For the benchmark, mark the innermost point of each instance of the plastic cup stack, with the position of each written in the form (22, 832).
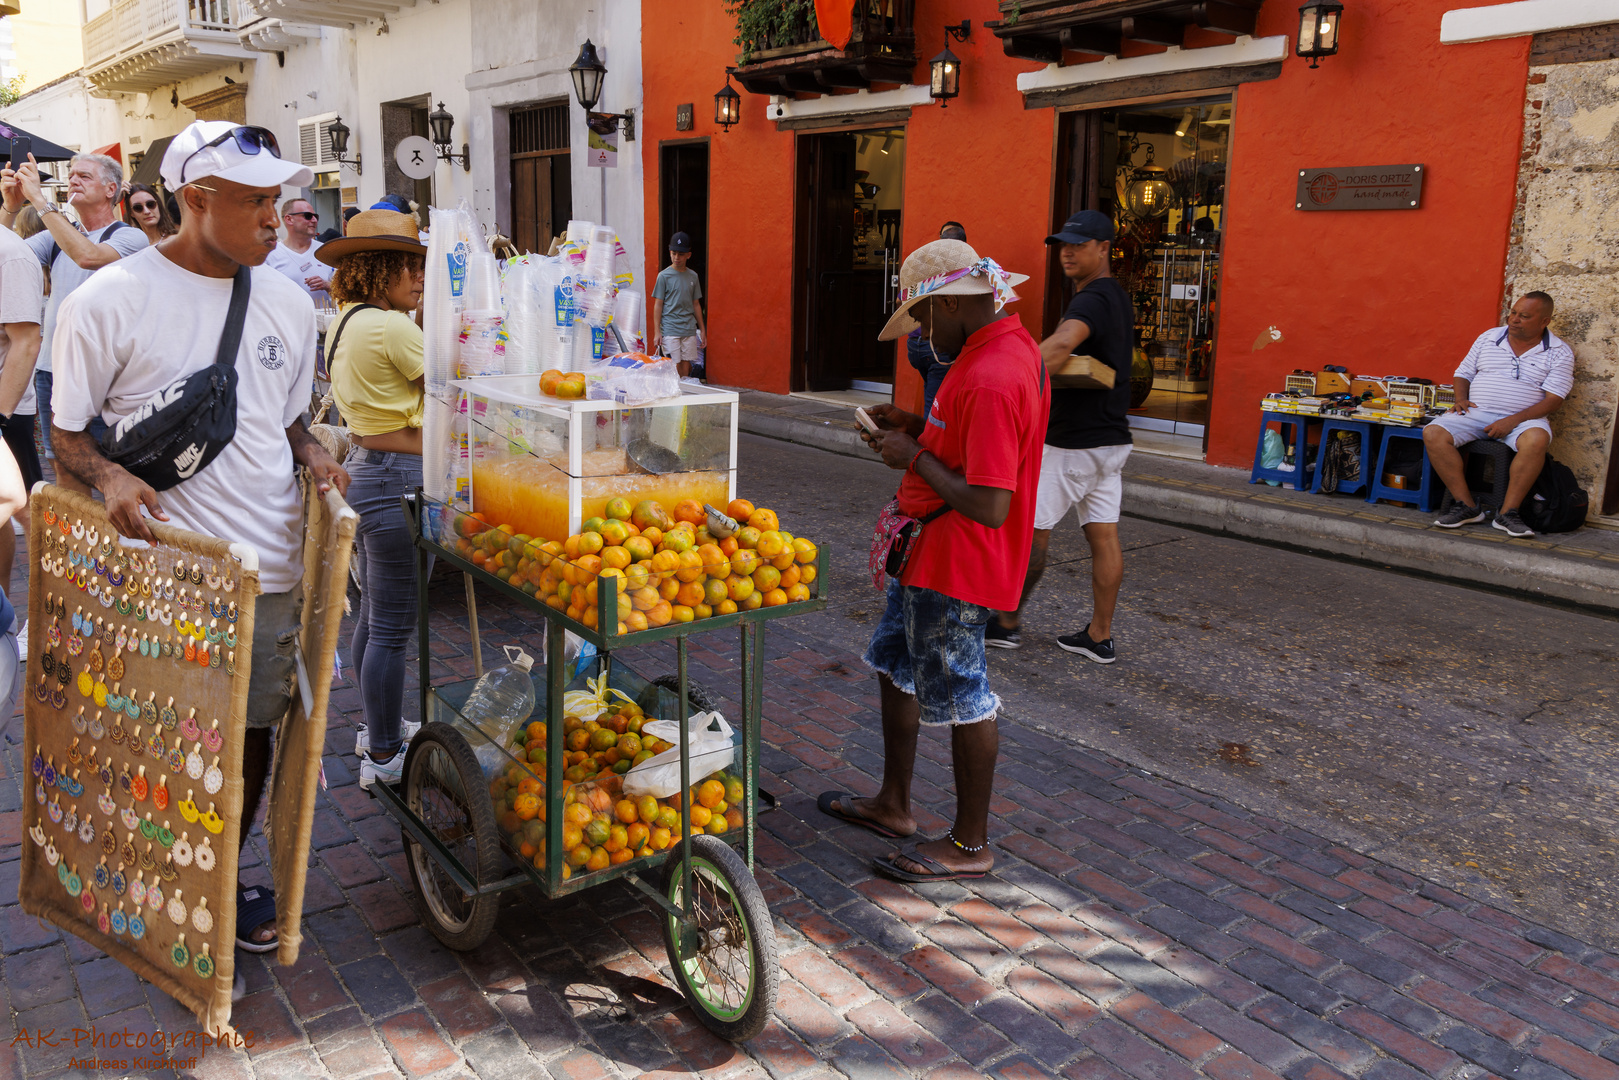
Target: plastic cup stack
(440, 324)
(627, 316)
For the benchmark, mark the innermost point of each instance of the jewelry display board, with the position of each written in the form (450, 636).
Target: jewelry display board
(134, 721)
(328, 543)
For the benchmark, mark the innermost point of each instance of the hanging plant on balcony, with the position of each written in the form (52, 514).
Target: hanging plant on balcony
(771, 24)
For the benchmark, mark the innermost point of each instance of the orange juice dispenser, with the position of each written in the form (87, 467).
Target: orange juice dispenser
(543, 465)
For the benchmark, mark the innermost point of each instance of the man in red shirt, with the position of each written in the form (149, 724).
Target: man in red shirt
(975, 460)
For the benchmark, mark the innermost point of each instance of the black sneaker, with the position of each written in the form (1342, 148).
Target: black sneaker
(1511, 523)
(1081, 643)
(997, 636)
(1458, 515)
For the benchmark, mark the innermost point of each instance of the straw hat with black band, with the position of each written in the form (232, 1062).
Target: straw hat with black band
(374, 230)
(947, 268)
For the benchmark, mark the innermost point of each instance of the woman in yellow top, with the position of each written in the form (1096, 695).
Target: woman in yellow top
(374, 356)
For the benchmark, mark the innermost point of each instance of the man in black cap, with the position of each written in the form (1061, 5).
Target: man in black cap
(1087, 438)
(677, 324)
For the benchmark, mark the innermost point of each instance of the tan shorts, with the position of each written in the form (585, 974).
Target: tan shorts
(683, 350)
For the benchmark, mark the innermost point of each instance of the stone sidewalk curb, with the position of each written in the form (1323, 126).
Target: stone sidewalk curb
(1480, 556)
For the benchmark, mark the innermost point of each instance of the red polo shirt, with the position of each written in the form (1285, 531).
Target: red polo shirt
(988, 423)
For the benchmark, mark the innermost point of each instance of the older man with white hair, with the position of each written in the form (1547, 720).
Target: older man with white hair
(70, 252)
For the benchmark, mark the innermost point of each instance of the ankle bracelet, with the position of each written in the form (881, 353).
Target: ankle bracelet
(969, 850)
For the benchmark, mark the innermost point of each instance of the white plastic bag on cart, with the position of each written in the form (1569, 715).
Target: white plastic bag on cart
(711, 751)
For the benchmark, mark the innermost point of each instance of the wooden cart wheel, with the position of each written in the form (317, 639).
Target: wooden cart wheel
(724, 960)
(444, 788)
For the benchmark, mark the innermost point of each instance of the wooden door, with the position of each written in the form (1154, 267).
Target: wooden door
(541, 184)
(683, 203)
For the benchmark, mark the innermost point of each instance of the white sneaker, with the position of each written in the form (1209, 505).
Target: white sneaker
(389, 772)
(22, 643)
(362, 736)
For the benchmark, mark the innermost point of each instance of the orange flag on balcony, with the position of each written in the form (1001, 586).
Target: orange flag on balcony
(836, 20)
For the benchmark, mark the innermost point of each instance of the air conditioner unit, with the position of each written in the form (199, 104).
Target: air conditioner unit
(314, 146)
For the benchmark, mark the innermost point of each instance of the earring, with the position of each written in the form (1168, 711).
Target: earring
(212, 739)
(204, 855)
(160, 794)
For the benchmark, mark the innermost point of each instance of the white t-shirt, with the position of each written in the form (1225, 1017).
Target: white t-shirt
(22, 300)
(297, 267)
(67, 275)
(143, 322)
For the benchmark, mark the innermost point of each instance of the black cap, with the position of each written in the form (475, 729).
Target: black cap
(1082, 227)
(680, 242)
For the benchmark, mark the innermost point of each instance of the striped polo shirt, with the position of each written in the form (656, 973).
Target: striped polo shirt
(1506, 383)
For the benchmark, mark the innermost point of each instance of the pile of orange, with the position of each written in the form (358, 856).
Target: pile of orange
(668, 567)
(562, 384)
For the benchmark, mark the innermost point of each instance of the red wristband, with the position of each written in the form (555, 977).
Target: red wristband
(912, 466)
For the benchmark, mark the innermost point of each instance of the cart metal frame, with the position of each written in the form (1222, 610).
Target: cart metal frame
(750, 625)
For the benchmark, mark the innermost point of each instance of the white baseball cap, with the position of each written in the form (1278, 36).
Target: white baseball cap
(250, 158)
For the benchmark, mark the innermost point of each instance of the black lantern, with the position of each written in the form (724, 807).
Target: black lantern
(442, 125)
(945, 77)
(337, 138)
(727, 106)
(1318, 30)
(588, 72)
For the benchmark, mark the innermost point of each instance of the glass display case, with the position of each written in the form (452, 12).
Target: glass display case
(544, 465)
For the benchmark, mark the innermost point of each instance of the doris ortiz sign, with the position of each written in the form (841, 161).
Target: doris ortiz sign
(1360, 187)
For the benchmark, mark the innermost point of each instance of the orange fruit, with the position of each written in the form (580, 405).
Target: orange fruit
(770, 544)
(638, 834)
(578, 740)
(598, 860)
(807, 573)
(775, 598)
(700, 817)
(715, 563)
(659, 614)
(764, 520)
(639, 548)
(625, 810)
(744, 562)
(669, 589)
(590, 543)
(689, 567)
(711, 793)
(747, 537)
(638, 574)
(618, 838)
(618, 508)
(629, 744)
(635, 622)
(643, 599)
(570, 724)
(647, 808)
(623, 855)
(702, 611)
(614, 531)
(717, 824)
(739, 587)
(549, 381)
(690, 510)
(725, 607)
(798, 593)
(573, 386)
(536, 730)
(766, 578)
(683, 613)
(570, 549)
(789, 577)
(754, 601)
(728, 546)
(653, 535)
(572, 836)
(691, 593)
(714, 590)
(579, 855)
(665, 561)
(660, 839)
(741, 509)
(668, 818)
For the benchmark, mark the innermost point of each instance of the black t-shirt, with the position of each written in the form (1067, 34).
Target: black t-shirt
(1082, 419)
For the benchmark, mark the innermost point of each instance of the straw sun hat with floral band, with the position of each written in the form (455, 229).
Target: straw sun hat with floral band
(947, 268)
(374, 230)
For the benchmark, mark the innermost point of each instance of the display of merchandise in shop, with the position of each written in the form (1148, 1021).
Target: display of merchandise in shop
(1333, 392)
(134, 723)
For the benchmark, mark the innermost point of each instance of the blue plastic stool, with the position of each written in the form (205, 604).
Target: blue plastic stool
(1425, 494)
(1368, 431)
(1298, 475)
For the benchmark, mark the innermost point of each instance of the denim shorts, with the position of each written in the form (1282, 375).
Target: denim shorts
(270, 685)
(932, 646)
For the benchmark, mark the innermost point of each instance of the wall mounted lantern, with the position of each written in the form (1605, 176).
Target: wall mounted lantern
(588, 74)
(442, 124)
(1150, 195)
(337, 138)
(944, 82)
(1318, 30)
(727, 106)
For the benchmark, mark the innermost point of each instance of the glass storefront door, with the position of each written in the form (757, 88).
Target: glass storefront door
(1159, 171)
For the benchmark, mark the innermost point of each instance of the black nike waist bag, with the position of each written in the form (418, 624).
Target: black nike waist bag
(175, 433)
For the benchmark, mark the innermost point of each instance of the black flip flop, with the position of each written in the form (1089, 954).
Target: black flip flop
(255, 906)
(889, 868)
(827, 804)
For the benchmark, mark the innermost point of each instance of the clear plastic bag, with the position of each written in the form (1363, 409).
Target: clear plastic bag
(632, 379)
(711, 751)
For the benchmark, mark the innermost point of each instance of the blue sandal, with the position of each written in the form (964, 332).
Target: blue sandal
(255, 906)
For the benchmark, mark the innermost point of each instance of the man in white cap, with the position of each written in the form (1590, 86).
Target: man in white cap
(158, 315)
(972, 470)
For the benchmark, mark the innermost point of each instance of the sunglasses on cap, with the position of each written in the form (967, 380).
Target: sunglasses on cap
(249, 140)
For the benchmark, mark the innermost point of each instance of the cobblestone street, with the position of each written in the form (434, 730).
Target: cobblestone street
(1133, 927)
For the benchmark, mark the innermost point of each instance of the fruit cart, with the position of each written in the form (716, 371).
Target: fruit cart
(460, 842)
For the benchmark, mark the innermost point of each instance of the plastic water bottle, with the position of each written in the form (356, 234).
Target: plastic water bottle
(503, 698)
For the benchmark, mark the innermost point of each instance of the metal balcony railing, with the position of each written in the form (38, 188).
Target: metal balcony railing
(141, 44)
(882, 48)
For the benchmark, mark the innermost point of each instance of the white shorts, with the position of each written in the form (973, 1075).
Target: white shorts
(1091, 479)
(684, 350)
(1468, 426)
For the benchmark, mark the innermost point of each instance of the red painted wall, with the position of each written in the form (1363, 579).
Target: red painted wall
(983, 161)
(1382, 292)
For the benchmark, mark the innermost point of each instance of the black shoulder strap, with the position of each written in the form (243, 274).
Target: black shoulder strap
(231, 338)
(56, 249)
(337, 335)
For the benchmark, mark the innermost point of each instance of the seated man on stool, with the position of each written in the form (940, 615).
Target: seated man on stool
(1510, 381)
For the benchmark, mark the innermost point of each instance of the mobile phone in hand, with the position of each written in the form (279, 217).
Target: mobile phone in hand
(21, 147)
(865, 420)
